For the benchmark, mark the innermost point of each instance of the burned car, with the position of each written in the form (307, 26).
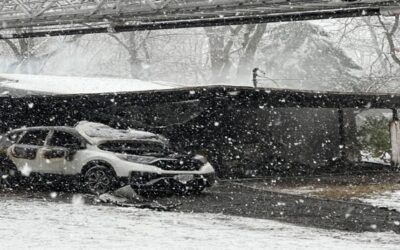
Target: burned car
(104, 158)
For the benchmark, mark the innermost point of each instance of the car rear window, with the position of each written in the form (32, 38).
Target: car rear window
(34, 137)
(13, 137)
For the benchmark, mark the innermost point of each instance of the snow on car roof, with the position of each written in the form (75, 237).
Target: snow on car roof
(78, 85)
(99, 132)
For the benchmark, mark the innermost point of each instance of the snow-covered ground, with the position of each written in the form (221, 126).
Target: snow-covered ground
(389, 199)
(77, 85)
(384, 159)
(40, 224)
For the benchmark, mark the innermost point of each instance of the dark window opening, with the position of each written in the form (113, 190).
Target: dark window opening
(25, 153)
(35, 137)
(64, 139)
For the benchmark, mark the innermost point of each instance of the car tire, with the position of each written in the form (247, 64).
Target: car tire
(99, 179)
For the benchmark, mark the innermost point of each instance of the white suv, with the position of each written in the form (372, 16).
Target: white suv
(105, 158)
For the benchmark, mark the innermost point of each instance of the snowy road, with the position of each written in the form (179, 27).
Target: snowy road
(38, 224)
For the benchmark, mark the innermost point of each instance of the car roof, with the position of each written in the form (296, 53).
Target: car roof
(59, 128)
(96, 133)
(70, 130)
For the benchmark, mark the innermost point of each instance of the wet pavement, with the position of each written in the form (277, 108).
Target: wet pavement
(241, 200)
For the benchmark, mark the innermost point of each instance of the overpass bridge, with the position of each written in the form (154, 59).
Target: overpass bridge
(37, 18)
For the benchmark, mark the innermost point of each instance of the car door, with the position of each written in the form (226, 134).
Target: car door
(26, 152)
(60, 152)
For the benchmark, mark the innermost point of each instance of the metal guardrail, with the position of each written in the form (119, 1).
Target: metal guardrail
(30, 18)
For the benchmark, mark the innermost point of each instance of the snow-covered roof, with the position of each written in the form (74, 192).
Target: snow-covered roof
(75, 85)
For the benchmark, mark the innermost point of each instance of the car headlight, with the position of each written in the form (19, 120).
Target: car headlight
(131, 158)
(201, 158)
(135, 158)
(122, 156)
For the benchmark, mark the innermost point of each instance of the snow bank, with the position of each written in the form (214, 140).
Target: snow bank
(389, 199)
(77, 85)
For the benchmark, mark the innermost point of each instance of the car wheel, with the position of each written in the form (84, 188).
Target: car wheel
(99, 180)
(8, 174)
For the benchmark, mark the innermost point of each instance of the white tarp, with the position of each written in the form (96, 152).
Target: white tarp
(395, 141)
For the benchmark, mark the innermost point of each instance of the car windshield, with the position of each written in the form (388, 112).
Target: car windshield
(145, 148)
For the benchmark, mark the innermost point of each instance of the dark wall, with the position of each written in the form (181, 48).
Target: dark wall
(241, 134)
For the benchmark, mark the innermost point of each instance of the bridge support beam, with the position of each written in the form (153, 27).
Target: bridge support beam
(23, 18)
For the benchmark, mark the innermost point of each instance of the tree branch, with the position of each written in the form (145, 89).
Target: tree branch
(389, 37)
(13, 47)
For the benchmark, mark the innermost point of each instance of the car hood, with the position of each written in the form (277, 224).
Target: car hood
(97, 133)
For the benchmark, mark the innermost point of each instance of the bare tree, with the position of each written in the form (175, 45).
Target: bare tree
(230, 45)
(135, 44)
(390, 33)
(31, 55)
(372, 43)
(220, 46)
(251, 40)
(378, 46)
